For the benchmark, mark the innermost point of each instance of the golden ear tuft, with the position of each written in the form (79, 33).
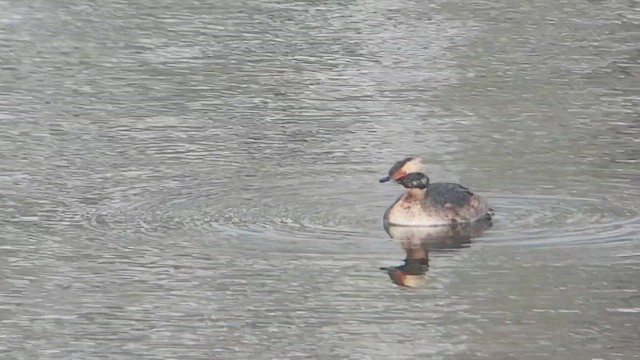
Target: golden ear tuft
(414, 165)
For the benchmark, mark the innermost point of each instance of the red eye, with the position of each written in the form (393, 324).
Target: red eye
(399, 174)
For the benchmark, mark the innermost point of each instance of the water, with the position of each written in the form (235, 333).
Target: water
(198, 180)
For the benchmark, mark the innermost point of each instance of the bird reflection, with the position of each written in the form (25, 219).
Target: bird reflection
(417, 241)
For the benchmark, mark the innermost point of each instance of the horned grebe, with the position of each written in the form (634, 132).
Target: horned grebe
(427, 204)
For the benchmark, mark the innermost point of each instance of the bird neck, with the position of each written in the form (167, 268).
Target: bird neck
(417, 194)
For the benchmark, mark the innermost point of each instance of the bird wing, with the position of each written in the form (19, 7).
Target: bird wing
(441, 194)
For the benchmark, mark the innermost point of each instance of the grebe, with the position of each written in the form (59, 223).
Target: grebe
(427, 204)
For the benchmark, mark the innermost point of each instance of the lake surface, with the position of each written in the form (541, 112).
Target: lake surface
(198, 180)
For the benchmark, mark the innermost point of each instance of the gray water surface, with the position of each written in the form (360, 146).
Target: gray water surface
(198, 180)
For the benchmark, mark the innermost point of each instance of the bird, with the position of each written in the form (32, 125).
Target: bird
(431, 204)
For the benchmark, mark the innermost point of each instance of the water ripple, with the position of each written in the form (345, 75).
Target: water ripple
(519, 220)
(556, 220)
